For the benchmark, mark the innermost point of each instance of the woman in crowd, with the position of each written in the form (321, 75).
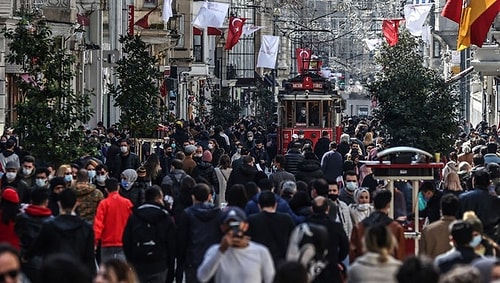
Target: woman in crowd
(9, 208)
(481, 243)
(66, 172)
(116, 271)
(452, 184)
(223, 171)
(153, 169)
(215, 150)
(361, 207)
(377, 264)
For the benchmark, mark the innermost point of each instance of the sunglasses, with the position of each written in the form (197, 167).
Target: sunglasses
(11, 273)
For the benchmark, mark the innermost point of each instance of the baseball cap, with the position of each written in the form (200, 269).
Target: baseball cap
(234, 213)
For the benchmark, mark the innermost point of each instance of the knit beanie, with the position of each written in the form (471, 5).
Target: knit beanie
(10, 195)
(207, 156)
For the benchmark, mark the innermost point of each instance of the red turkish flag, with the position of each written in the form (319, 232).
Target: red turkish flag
(303, 59)
(390, 30)
(234, 32)
(144, 21)
(307, 83)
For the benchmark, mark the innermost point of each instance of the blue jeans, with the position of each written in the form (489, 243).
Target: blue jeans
(112, 252)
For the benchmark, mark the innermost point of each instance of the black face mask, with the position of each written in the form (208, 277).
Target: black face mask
(333, 197)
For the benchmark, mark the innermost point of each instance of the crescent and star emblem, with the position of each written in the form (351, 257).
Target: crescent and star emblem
(304, 51)
(236, 29)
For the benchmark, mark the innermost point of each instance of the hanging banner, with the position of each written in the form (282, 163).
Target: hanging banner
(131, 20)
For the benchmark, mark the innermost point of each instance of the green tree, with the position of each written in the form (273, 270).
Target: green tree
(138, 94)
(416, 107)
(49, 111)
(265, 104)
(224, 111)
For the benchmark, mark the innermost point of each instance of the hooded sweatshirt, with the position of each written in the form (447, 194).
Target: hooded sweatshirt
(130, 189)
(29, 223)
(68, 234)
(202, 230)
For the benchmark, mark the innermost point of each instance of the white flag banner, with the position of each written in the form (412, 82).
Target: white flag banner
(372, 44)
(211, 14)
(167, 10)
(415, 16)
(249, 29)
(268, 51)
(426, 34)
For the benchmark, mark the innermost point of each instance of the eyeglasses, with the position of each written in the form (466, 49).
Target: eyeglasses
(11, 273)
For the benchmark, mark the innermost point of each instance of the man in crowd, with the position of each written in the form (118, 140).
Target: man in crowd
(67, 233)
(281, 174)
(351, 184)
(12, 179)
(149, 238)
(236, 257)
(381, 203)
(27, 172)
(110, 220)
(332, 163)
(124, 160)
(435, 237)
(198, 229)
(270, 228)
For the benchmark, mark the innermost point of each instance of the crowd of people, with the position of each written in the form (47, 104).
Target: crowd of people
(208, 204)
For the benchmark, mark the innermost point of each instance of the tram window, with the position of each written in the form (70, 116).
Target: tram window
(288, 114)
(327, 114)
(301, 113)
(314, 114)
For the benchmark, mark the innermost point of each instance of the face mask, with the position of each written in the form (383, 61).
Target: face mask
(27, 171)
(123, 149)
(173, 145)
(91, 174)
(351, 186)
(41, 182)
(198, 155)
(210, 146)
(301, 136)
(100, 179)
(302, 112)
(363, 206)
(250, 138)
(68, 178)
(333, 197)
(10, 175)
(275, 168)
(124, 183)
(476, 241)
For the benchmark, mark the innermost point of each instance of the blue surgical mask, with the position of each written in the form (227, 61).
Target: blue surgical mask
(173, 145)
(476, 241)
(91, 174)
(68, 178)
(124, 183)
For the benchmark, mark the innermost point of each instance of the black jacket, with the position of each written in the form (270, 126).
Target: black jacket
(241, 175)
(293, 159)
(22, 189)
(68, 234)
(29, 223)
(309, 169)
(152, 213)
(484, 205)
(120, 163)
(134, 193)
(338, 247)
(273, 231)
(207, 171)
(199, 228)
(322, 146)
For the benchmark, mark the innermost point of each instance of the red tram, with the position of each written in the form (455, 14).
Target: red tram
(308, 103)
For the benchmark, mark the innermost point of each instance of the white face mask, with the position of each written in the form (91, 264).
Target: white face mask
(250, 138)
(123, 149)
(238, 150)
(100, 178)
(27, 171)
(210, 146)
(302, 112)
(363, 206)
(10, 175)
(41, 182)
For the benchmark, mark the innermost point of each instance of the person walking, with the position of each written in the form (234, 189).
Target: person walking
(110, 220)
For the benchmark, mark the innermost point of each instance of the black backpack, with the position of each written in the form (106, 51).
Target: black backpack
(148, 241)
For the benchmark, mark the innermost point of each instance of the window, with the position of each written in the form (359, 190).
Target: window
(150, 3)
(198, 47)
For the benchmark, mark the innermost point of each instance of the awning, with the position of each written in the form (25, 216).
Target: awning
(211, 31)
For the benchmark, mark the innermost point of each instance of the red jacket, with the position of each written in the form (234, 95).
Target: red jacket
(7, 233)
(110, 220)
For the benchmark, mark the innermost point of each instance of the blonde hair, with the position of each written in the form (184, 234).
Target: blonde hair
(452, 182)
(368, 139)
(61, 171)
(379, 239)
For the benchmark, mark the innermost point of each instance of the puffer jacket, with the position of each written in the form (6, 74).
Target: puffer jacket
(309, 169)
